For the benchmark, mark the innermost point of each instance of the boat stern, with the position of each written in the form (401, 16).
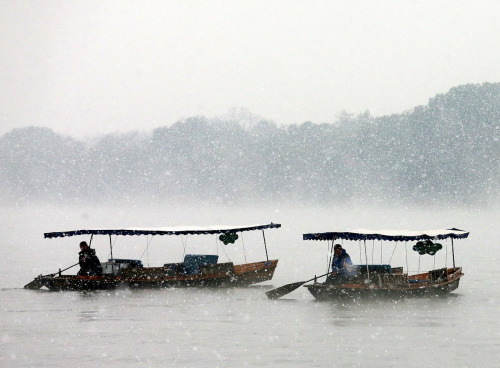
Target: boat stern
(252, 273)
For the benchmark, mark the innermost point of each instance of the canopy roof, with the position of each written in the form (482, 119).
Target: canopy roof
(391, 235)
(176, 230)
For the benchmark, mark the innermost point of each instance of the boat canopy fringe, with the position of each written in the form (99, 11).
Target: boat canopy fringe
(390, 235)
(177, 230)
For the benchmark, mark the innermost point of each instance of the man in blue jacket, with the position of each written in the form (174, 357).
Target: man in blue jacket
(341, 266)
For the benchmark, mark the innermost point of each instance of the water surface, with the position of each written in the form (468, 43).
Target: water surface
(240, 326)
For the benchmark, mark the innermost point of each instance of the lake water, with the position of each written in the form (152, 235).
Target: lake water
(240, 326)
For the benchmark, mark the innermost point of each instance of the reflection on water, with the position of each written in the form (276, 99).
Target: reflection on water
(88, 316)
(193, 327)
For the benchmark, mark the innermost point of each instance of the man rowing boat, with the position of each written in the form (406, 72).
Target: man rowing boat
(89, 262)
(342, 269)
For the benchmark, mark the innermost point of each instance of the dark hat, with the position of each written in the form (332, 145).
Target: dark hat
(83, 244)
(337, 246)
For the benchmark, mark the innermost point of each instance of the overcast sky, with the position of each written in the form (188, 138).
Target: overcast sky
(91, 67)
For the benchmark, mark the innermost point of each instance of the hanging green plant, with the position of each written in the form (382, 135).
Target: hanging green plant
(427, 247)
(227, 238)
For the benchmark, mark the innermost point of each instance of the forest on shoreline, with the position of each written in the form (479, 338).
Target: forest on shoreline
(444, 153)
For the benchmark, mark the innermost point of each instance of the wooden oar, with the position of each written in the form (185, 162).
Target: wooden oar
(37, 284)
(288, 288)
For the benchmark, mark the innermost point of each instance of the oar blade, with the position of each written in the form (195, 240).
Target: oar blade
(283, 290)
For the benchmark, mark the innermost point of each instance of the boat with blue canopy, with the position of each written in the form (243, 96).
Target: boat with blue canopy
(370, 278)
(194, 270)
(383, 279)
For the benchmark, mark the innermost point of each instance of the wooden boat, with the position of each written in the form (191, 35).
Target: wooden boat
(196, 270)
(383, 280)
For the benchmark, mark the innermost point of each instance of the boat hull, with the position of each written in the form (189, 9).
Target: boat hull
(324, 291)
(242, 275)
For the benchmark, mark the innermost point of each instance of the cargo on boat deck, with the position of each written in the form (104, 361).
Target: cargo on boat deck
(115, 266)
(373, 269)
(439, 275)
(193, 262)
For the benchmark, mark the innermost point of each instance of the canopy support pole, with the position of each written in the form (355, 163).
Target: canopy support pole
(244, 251)
(366, 257)
(446, 258)
(110, 247)
(184, 244)
(453, 252)
(406, 251)
(265, 246)
(111, 253)
(329, 257)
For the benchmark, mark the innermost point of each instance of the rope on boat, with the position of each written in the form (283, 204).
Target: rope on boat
(112, 246)
(396, 243)
(184, 243)
(216, 246)
(329, 256)
(224, 249)
(147, 248)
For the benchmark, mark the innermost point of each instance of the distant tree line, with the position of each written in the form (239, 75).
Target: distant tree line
(444, 153)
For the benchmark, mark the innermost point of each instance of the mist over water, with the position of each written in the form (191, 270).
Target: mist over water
(134, 114)
(225, 327)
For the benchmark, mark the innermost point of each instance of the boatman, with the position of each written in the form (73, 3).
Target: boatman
(342, 269)
(89, 263)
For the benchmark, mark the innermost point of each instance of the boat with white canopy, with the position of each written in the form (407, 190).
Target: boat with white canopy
(382, 279)
(195, 270)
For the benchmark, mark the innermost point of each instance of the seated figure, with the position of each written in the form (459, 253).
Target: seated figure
(342, 270)
(89, 263)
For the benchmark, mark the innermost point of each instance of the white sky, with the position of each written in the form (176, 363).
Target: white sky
(92, 67)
